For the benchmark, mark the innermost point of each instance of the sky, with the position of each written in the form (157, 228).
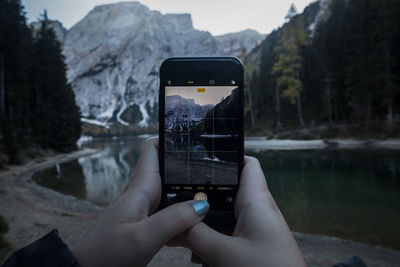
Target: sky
(206, 95)
(216, 16)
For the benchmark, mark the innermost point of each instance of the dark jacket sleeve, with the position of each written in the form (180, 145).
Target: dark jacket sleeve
(48, 251)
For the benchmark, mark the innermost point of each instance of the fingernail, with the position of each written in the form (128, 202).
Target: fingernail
(201, 207)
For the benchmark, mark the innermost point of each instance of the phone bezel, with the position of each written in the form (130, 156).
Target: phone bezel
(200, 70)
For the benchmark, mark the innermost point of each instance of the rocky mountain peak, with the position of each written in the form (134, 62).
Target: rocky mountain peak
(239, 43)
(113, 56)
(180, 22)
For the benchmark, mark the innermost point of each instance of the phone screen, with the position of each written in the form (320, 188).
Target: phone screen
(201, 134)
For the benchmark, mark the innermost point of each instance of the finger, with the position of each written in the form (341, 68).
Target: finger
(146, 180)
(253, 189)
(207, 243)
(252, 174)
(147, 162)
(172, 221)
(176, 241)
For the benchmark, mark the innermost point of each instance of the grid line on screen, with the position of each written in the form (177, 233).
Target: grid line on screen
(213, 164)
(188, 150)
(189, 143)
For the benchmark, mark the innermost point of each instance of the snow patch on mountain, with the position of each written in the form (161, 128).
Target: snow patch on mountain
(113, 56)
(322, 15)
(178, 110)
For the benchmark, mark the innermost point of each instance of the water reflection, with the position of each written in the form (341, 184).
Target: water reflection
(99, 177)
(353, 194)
(104, 176)
(66, 178)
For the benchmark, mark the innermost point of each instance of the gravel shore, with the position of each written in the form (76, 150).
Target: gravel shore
(32, 211)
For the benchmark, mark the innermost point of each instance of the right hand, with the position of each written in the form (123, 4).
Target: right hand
(261, 236)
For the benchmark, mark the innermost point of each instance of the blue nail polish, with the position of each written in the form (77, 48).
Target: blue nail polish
(201, 207)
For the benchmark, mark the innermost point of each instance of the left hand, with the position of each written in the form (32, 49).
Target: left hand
(128, 233)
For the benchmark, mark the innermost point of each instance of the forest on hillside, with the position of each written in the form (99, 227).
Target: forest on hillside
(37, 105)
(333, 69)
(338, 68)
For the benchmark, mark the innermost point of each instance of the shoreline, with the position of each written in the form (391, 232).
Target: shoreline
(261, 143)
(47, 161)
(32, 211)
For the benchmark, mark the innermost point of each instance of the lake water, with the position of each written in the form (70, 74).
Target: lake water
(352, 194)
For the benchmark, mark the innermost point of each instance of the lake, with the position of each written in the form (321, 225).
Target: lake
(353, 194)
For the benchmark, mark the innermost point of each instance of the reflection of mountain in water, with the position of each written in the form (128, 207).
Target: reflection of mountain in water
(98, 178)
(183, 114)
(101, 171)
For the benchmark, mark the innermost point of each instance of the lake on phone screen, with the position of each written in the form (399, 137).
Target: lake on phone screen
(348, 193)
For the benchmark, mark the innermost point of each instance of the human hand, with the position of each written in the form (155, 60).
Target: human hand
(261, 236)
(128, 234)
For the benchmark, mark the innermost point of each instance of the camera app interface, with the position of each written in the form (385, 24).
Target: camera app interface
(201, 135)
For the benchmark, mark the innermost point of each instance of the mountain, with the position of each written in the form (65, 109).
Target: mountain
(313, 13)
(179, 109)
(239, 43)
(114, 53)
(225, 112)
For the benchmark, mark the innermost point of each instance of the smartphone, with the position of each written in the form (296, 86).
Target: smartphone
(201, 134)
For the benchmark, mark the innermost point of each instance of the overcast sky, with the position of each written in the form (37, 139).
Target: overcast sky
(207, 94)
(215, 16)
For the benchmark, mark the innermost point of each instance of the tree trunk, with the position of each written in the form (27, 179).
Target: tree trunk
(387, 82)
(368, 115)
(252, 119)
(328, 96)
(299, 111)
(2, 92)
(388, 68)
(390, 113)
(277, 108)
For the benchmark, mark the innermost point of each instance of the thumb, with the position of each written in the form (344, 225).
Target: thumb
(173, 220)
(208, 244)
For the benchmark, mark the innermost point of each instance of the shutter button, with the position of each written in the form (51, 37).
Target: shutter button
(200, 196)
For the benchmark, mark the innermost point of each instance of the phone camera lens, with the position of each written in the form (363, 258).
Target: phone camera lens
(211, 82)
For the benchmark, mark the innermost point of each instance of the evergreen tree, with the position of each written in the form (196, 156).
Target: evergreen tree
(289, 63)
(345, 71)
(291, 13)
(330, 45)
(15, 58)
(262, 83)
(384, 30)
(36, 103)
(56, 120)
